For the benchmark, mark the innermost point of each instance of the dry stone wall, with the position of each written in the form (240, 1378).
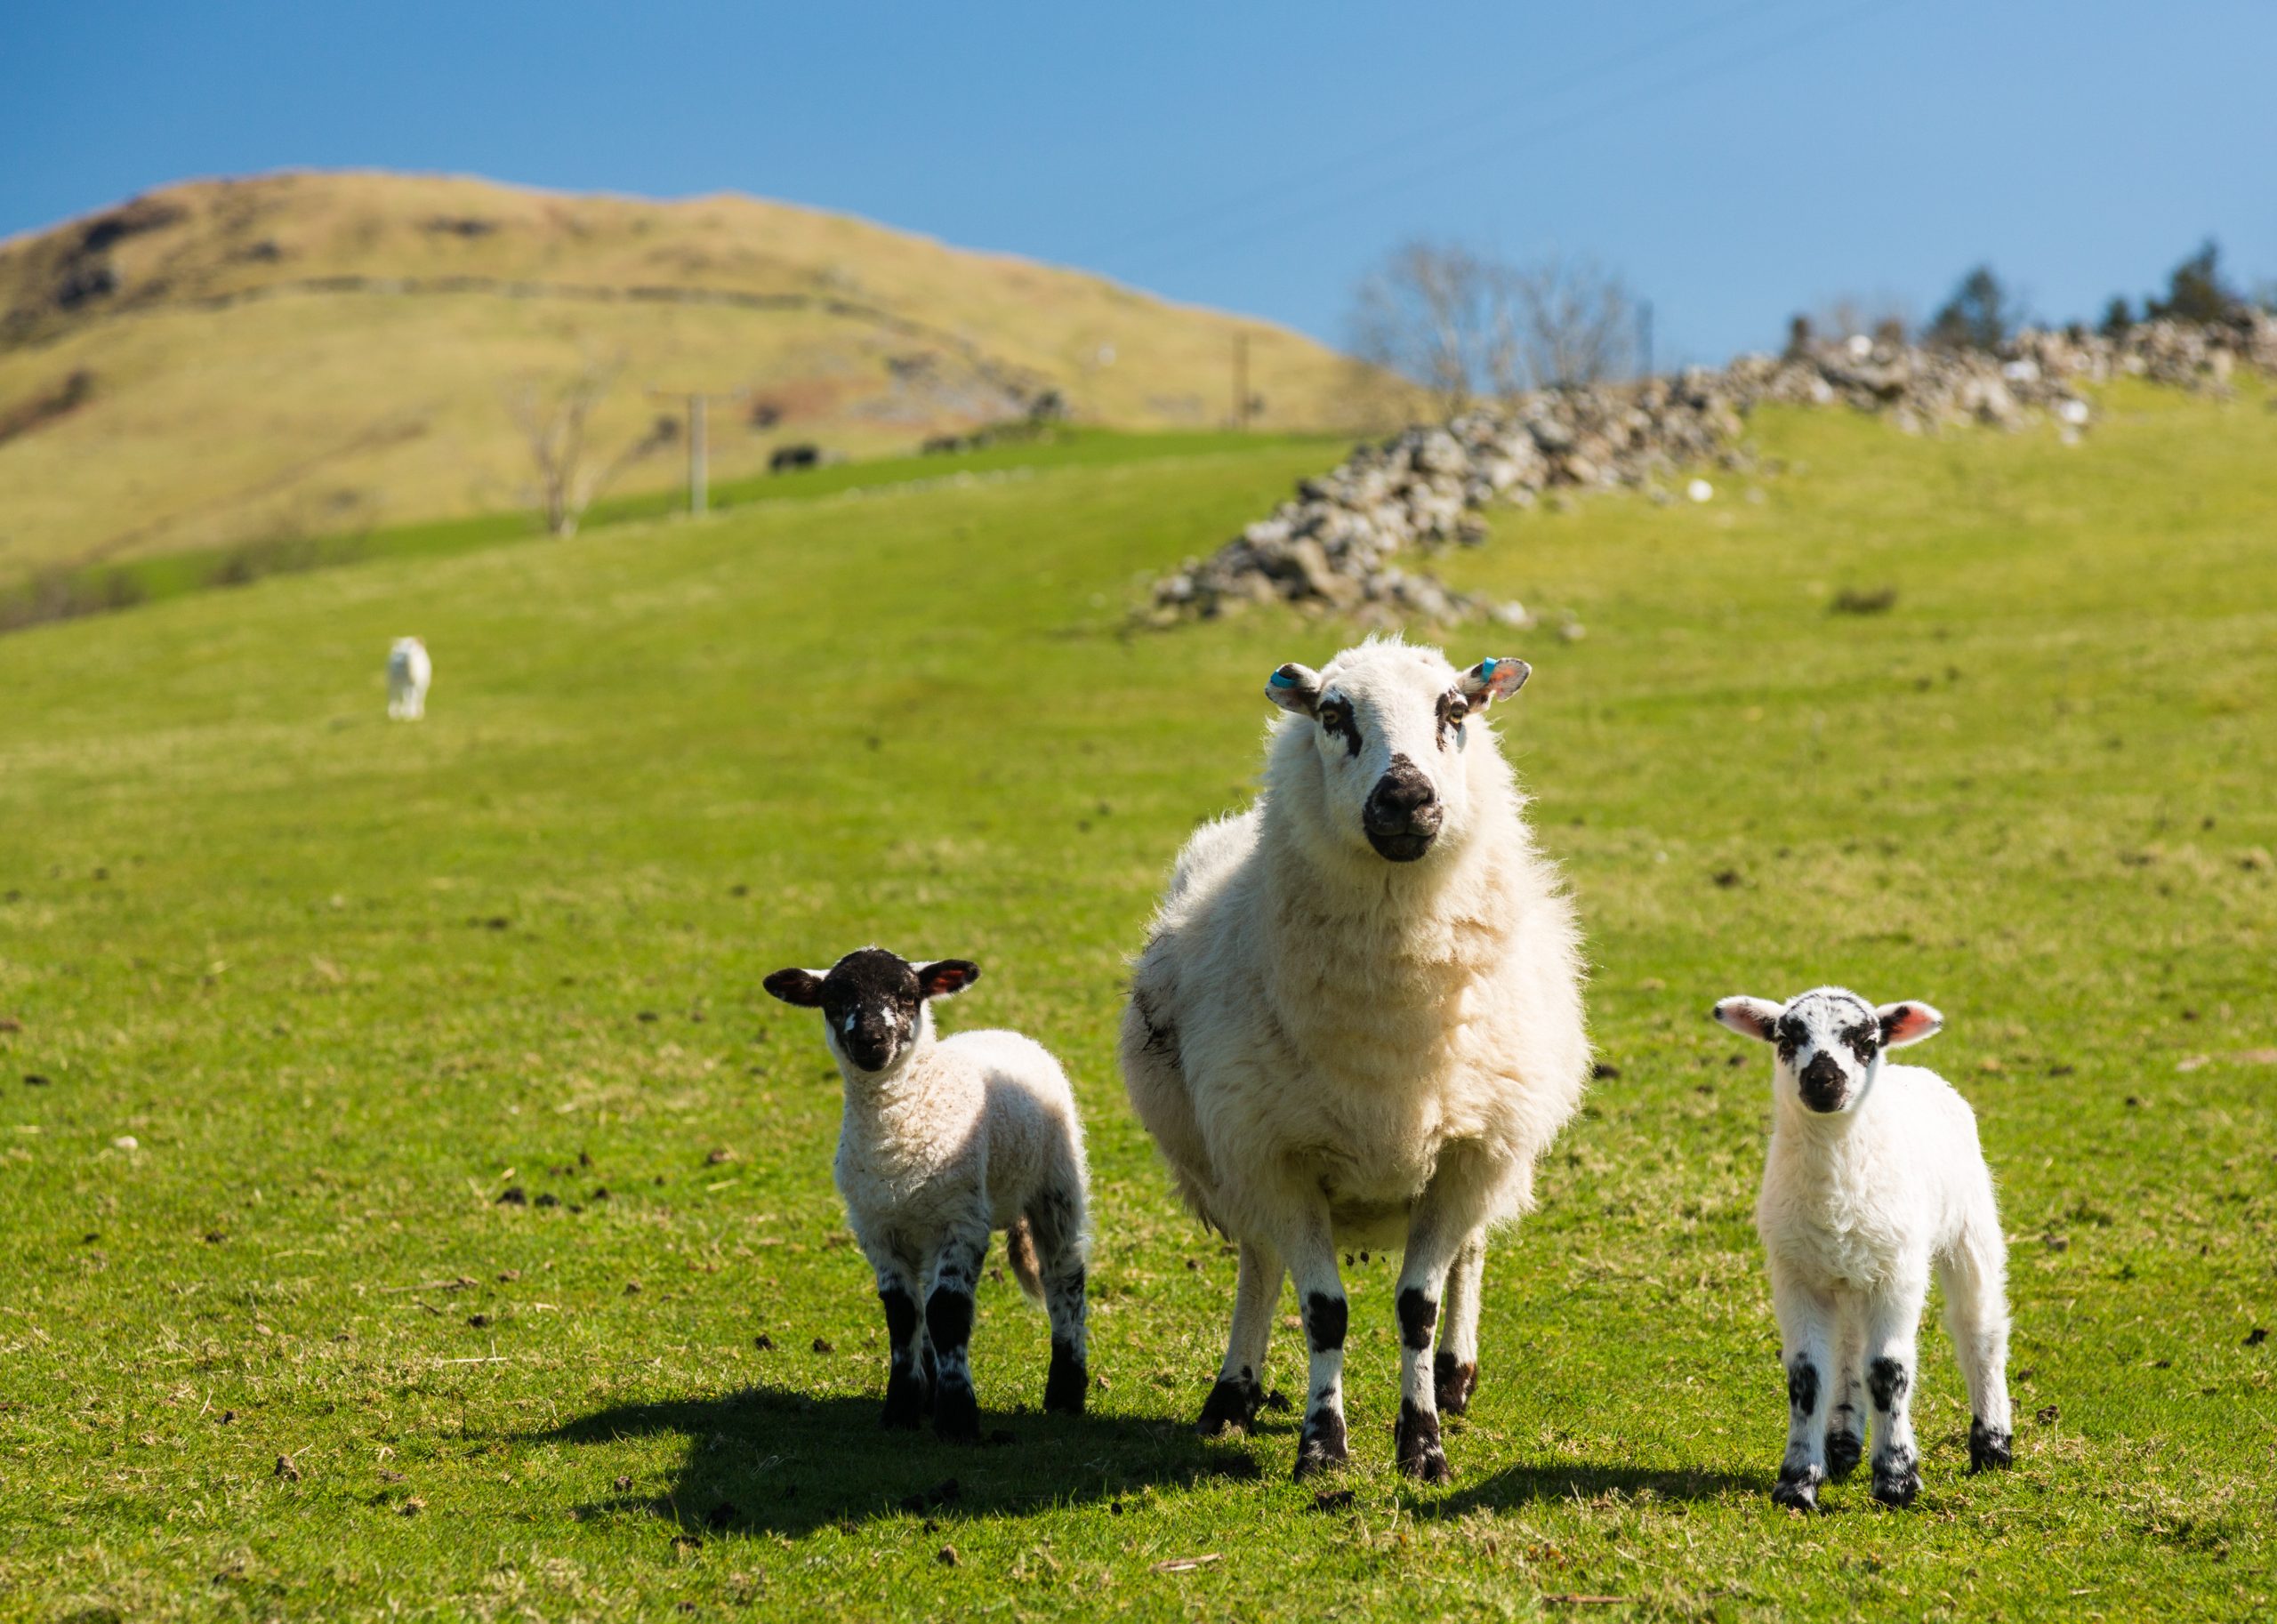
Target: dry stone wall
(1350, 540)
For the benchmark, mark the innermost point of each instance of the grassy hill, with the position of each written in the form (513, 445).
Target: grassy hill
(305, 993)
(308, 353)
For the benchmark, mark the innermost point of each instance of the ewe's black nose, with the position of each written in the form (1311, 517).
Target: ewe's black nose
(1403, 801)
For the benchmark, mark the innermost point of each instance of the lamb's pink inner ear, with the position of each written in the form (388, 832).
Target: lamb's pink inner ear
(947, 978)
(1750, 1017)
(1908, 1023)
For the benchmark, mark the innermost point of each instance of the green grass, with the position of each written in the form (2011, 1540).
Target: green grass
(101, 588)
(344, 982)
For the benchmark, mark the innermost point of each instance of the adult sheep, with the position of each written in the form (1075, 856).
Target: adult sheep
(1358, 1023)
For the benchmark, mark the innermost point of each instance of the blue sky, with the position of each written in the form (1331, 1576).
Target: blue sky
(1734, 159)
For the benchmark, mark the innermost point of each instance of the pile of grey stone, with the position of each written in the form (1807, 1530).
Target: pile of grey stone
(1349, 541)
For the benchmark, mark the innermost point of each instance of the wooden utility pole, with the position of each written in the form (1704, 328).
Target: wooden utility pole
(1241, 380)
(699, 475)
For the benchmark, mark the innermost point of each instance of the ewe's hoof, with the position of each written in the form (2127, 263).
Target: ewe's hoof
(1231, 1406)
(1988, 1450)
(1795, 1493)
(1065, 1386)
(1419, 1454)
(1323, 1447)
(1896, 1488)
(1453, 1382)
(1844, 1450)
(956, 1416)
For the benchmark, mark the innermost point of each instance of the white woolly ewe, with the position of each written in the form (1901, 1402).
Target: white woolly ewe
(409, 671)
(1874, 1178)
(1358, 1023)
(945, 1141)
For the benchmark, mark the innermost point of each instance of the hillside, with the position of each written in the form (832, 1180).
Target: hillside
(309, 353)
(291, 998)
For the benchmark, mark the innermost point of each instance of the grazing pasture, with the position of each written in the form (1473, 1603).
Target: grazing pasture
(411, 1203)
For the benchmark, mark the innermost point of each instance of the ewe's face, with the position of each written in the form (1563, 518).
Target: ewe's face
(1829, 1041)
(1391, 728)
(872, 1002)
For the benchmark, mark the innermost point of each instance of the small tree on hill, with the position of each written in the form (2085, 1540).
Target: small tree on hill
(553, 419)
(2117, 317)
(1979, 314)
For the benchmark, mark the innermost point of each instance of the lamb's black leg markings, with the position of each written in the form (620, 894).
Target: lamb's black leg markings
(1897, 1477)
(1989, 1448)
(1846, 1444)
(948, 1322)
(1056, 1224)
(1417, 1445)
(1453, 1382)
(909, 1388)
(1233, 1402)
(1800, 1477)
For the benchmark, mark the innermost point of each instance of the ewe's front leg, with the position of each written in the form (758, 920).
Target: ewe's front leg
(1433, 1243)
(1455, 1369)
(948, 1322)
(1807, 1330)
(1893, 1325)
(1320, 1295)
(1240, 1391)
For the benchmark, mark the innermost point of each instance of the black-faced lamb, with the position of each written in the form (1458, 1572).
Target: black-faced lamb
(1874, 1178)
(1357, 1023)
(945, 1141)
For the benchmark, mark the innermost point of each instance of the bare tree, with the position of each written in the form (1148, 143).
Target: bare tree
(1467, 326)
(554, 420)
(1577, 323)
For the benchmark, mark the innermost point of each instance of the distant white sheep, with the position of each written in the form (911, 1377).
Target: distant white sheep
(1357, 1023)
(1874, 1178)
(944, 1142)
(409, 671)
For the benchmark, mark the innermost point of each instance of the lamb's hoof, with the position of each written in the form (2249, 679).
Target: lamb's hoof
(1844, 1452)
(1988, 1450)
(1796, 1493)
(956, 1416)
(1453, 1382)
(908, 1402)
(1418, 1446)
(1231, 1406)
(1323, 1447)
(1896, 1486)
(1064, 1387)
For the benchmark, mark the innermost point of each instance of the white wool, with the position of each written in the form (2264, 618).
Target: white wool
(1335, 1051)
(1862, 1201)
(409, 671)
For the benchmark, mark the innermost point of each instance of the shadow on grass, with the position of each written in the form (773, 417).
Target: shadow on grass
(775, 1460)
(1524, 1484)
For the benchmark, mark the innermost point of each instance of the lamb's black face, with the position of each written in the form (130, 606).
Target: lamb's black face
(872, 1002)
(1828, 1042)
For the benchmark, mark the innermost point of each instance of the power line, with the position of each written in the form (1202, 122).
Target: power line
(1558, 126)
(1338, 169)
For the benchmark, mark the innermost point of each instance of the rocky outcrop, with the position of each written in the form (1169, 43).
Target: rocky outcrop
(1350, 540)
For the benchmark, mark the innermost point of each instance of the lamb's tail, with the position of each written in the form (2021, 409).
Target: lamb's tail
(1019, 1251)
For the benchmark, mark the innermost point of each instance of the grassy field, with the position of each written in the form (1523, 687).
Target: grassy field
(295, 996)
(298, 354)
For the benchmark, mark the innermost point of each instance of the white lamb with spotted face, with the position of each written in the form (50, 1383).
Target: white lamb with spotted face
(1357, 1023)
(1874, 1178)
(945, 1141)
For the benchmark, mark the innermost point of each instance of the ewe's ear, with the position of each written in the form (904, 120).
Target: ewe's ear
(796, 986)
(946, 977)
(1493, 679)
(1750, 1017)
(1909, 1022)
(1295, 687)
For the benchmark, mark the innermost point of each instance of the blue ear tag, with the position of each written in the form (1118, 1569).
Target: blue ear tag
(1487, 669)
(1282, 680)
